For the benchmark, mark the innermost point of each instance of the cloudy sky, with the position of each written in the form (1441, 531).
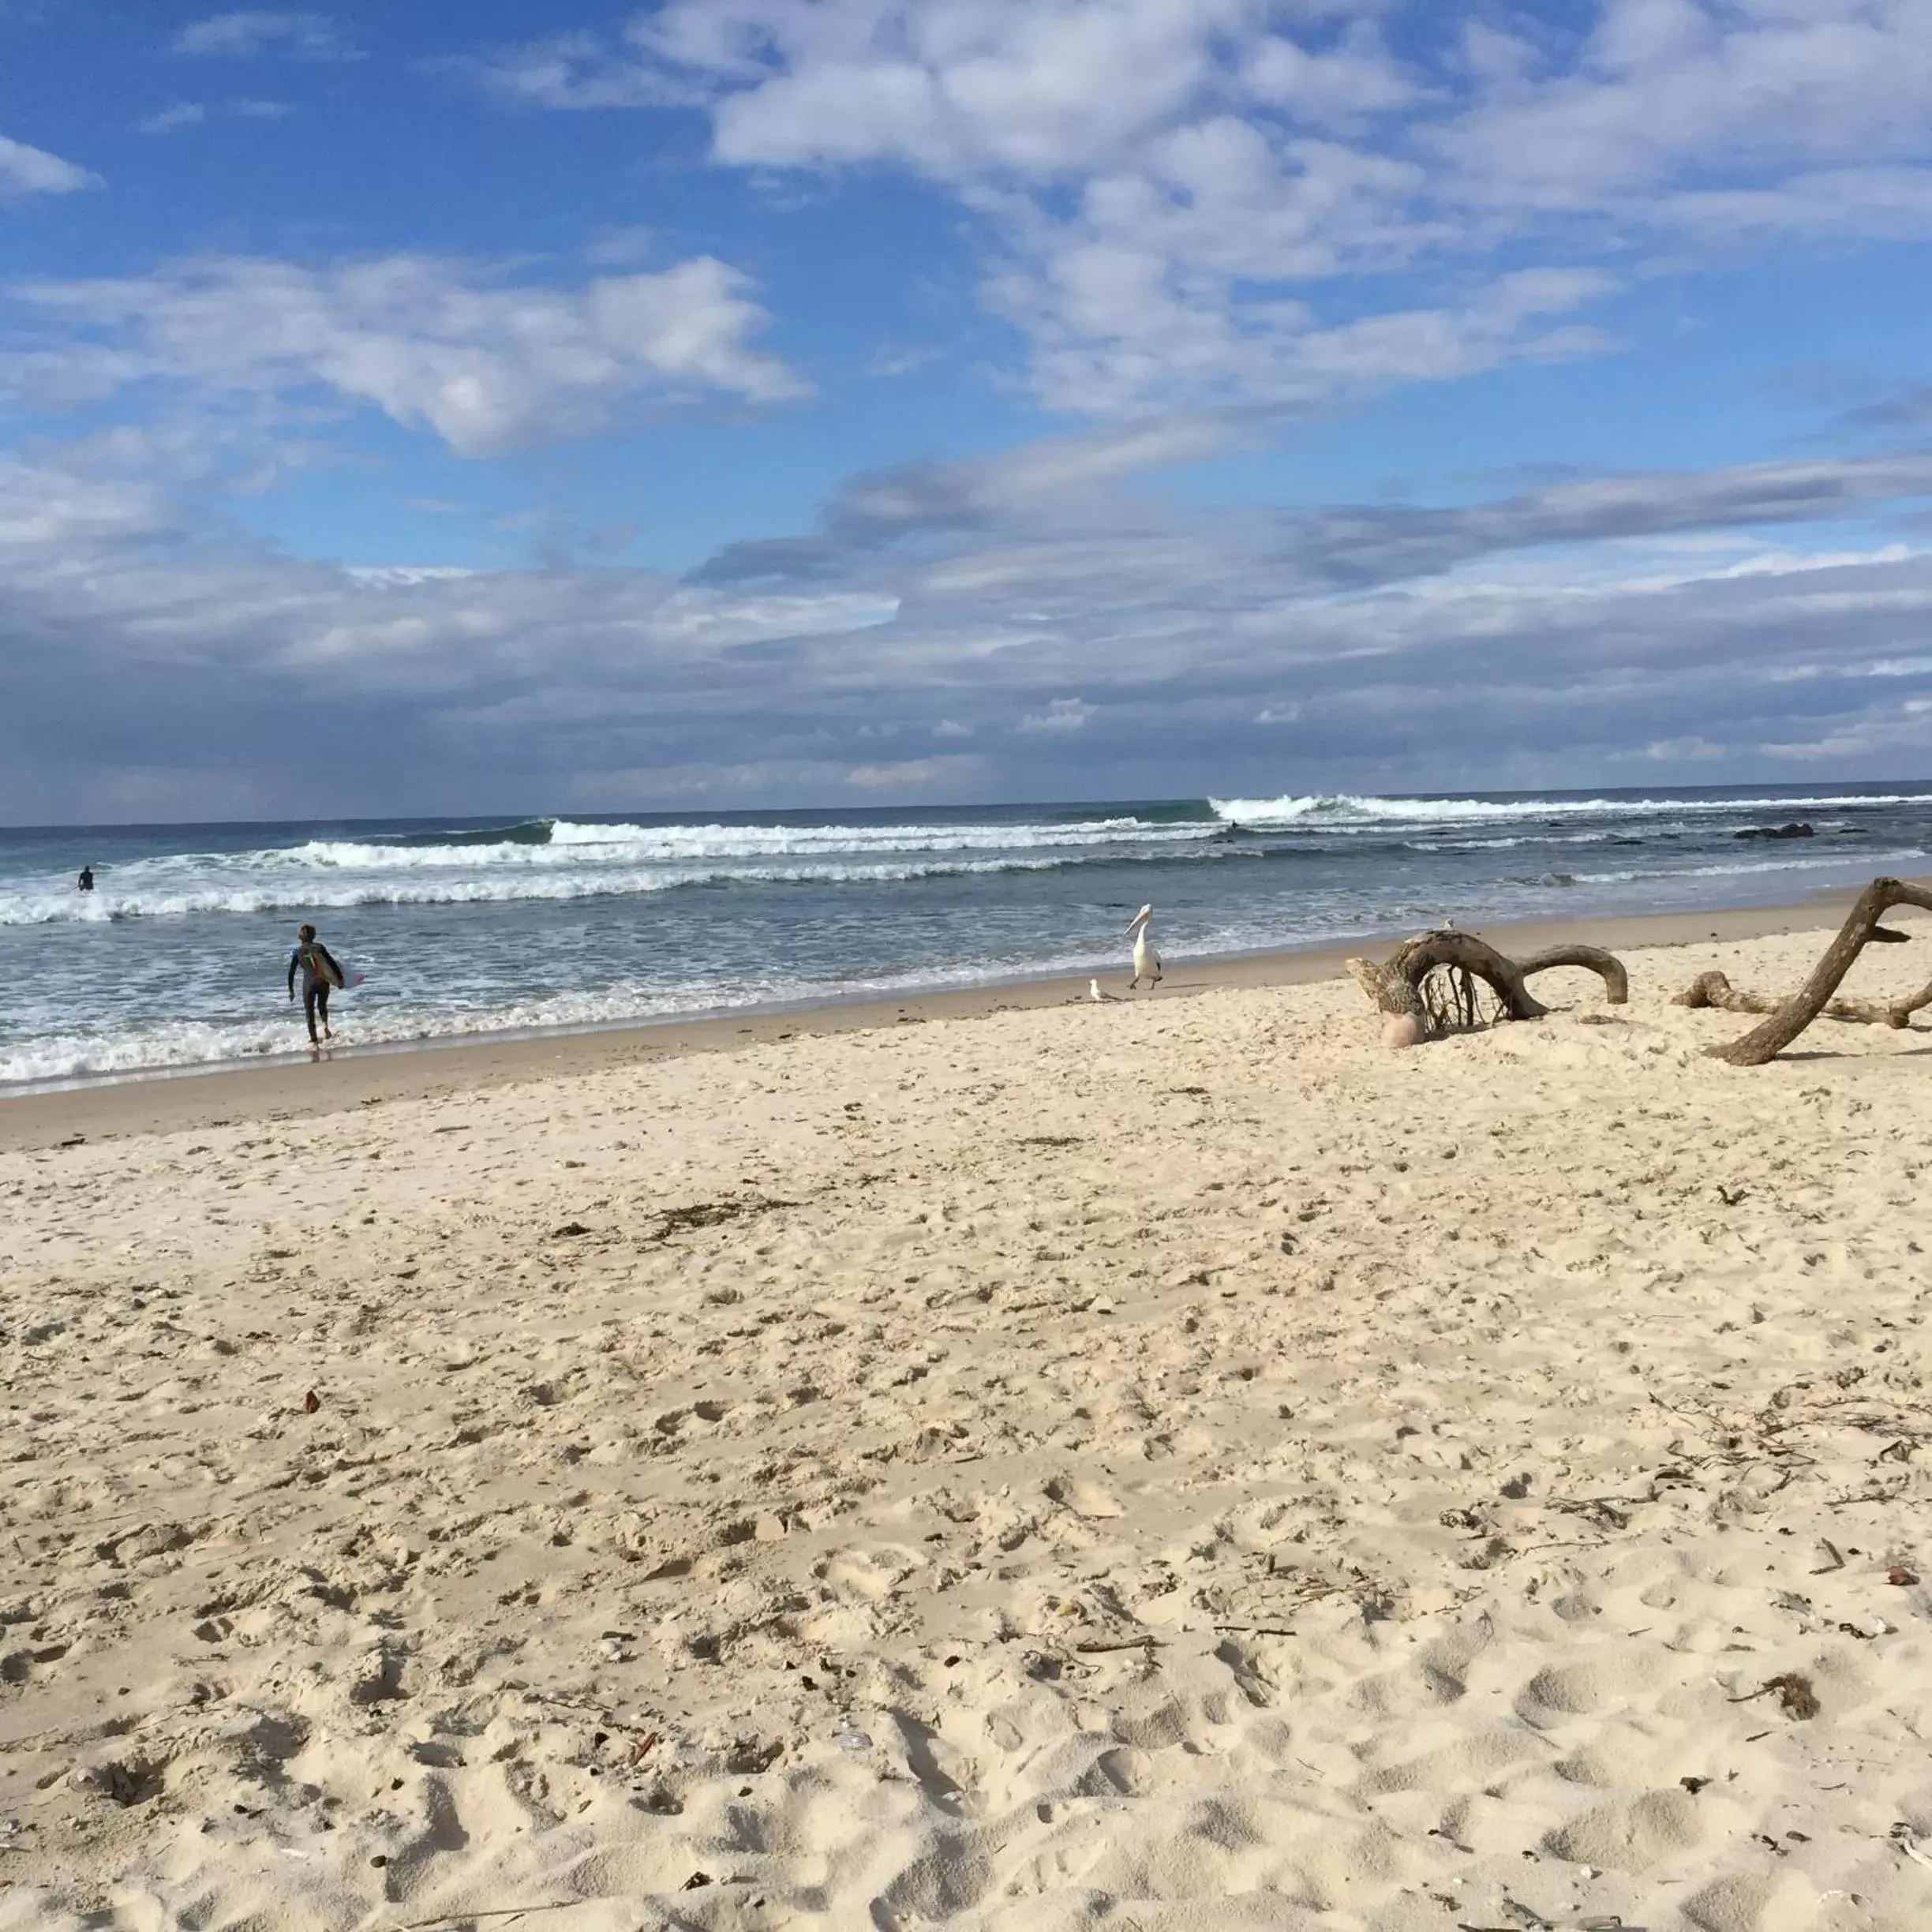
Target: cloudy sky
(742, 402)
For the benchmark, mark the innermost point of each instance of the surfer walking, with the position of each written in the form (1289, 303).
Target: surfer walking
(86, 882)
(321, 976)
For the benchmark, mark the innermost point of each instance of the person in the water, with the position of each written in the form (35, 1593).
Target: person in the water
(321, 976)
(87, 879)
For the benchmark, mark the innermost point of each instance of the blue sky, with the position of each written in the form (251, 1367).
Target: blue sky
(735, 403)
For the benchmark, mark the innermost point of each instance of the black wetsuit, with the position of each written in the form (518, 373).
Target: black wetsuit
(316, 984)
(87, 879)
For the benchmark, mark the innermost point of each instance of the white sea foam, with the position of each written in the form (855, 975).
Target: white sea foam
(573, 861)
(572, 844)
(148, 1047)
(55, 905)
(1840, 863)
(1341, 810)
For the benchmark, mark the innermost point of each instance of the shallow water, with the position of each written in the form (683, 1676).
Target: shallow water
(178, 957)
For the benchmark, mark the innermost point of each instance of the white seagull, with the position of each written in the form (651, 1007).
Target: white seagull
(1146, 960)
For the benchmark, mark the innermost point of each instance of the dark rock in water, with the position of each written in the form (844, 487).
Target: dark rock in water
(1793, 830)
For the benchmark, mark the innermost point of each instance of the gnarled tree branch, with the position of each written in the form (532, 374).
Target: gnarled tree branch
(1713, 989)
(1790, 1017)
(1606, 966)
(1395, 987)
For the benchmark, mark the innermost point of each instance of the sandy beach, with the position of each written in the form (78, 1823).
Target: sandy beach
(1007, 1462)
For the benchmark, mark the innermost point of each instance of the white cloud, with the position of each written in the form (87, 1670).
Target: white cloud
(1664, 85)
(485, 364)
(1050, 471)
(245, 34)
(1113, 331)
(25, 170)
(1399, 646)
(179, 114)
(1026, 86)
(887, 362)
(1180, 198)
(1691, 751)
(1880, 202)
(1837, 746)
(1064, 714)
(406, 573)
(576, 71)
(46, 508)
(915, 774)
(620, 248)
(712, 621)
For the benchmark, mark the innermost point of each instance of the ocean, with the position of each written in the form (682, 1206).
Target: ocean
(463, 926)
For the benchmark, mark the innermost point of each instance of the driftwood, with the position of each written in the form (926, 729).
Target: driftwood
(1396, 987)
(1790, 1017)
(1606, 966)
(1713, 989)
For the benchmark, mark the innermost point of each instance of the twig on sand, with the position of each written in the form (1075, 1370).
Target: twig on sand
(1902, 1837)
(1129, 1643)
(710, 1213)
(1528, 1913)
(501, 1912)
(1796, 1698)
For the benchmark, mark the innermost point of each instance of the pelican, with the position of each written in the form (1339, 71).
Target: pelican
(1146, 960)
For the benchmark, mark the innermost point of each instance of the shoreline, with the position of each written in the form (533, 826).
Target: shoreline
(166, 1100)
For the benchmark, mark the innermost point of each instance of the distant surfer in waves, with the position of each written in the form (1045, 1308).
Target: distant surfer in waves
(87, 879)
(320, 977)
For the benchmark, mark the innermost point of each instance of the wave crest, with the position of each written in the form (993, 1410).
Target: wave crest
(62, 907)
(1340, 811)
(565, 842)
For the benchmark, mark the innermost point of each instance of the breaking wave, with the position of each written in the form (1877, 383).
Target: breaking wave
(544, 842)
(1743, 868)
(560, 858)
(1341, 810)
(50, 908)
(527, 832)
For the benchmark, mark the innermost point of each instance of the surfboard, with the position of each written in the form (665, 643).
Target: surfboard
(333, 972)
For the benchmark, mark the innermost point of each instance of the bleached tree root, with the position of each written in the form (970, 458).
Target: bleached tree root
(1789, 1017)
(1396, 987)
(1713, 989)
(1606, 966)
